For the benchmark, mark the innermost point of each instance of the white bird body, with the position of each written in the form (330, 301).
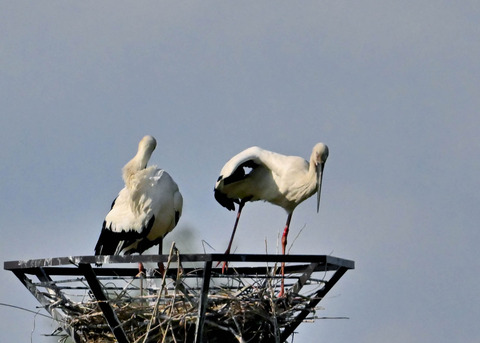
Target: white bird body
(285, 181)
(282, 180)
(145, 210)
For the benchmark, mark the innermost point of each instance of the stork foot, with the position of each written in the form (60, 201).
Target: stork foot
(224, 263)
(141, 270)
(161, 269)
(224, 267)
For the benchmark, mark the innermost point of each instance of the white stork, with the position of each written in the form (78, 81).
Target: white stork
(257, 174)
(145, 210)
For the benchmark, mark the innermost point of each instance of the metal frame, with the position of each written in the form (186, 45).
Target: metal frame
(303, 265)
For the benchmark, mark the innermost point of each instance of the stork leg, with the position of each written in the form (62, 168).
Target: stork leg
(284, 248)
(161, 267)
(141, 270)
(240, 207)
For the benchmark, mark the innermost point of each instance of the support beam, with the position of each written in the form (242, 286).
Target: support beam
(50, 285)
(311, 305)
(202, 305)
(302, 280)
(46, 303)
(75, 260)
(107, 310)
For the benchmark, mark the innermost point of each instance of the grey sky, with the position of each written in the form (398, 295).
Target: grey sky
(392, 88)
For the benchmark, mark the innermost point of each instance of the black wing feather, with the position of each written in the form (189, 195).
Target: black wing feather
(109, 241)
(238, 174)
(224, 200)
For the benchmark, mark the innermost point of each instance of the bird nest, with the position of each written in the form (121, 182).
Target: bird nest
(191, 302)
(241, 314)
(238, 309)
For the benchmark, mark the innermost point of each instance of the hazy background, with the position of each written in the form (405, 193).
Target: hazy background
(392, 88)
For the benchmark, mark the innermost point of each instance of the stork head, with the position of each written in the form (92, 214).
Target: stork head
(140, 160)
(145, 149)
(319, 157)
(147, 143)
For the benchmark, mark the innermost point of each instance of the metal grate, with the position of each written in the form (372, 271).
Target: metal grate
(114, 304)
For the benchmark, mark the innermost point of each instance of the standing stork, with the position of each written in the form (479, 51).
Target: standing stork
(257, 174)
(145, 210)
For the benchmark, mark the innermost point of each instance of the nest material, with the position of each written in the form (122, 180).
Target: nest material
(249, 316)
(240, 313)
(238, 308)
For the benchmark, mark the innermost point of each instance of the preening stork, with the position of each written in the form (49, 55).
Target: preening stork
(257, 174)
(145, 210)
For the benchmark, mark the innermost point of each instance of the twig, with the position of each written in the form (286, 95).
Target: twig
(155, 309)
(298, 235)
(203, 245)
(26, 310)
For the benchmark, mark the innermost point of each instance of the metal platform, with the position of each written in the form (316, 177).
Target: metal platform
(60, 283)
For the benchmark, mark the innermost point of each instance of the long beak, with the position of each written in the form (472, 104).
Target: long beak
(319, 168)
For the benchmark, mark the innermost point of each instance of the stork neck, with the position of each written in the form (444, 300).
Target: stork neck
(312, 175)
(312, 168)
(139, 162)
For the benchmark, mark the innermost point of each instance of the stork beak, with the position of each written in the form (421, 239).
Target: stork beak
(319, 168)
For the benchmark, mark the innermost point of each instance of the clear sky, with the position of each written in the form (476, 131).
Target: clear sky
(391, 86)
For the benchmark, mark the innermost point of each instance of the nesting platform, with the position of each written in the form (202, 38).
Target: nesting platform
(192, 302)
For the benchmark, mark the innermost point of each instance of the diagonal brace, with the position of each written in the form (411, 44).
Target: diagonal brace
(304, 278)
(107, 310)
(202, 305)
(311, 305)
(56, 315)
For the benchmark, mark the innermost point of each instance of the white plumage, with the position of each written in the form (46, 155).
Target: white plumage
(145, 210)
(258, 174)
